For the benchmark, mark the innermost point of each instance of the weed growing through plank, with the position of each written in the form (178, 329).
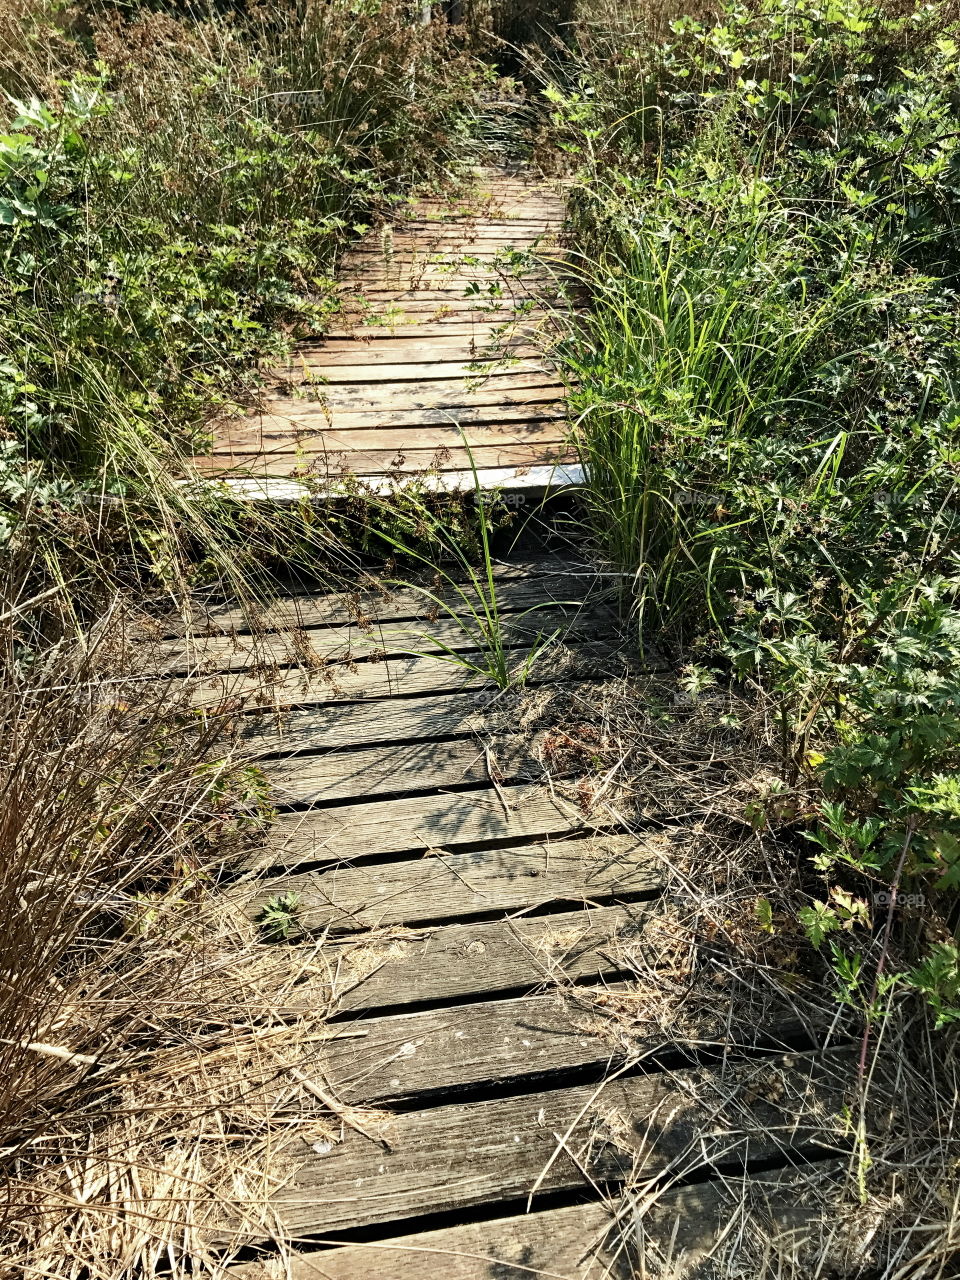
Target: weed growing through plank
(416, 528)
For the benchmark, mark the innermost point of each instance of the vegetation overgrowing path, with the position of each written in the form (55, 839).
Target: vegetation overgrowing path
(439, 358)
(478, 930)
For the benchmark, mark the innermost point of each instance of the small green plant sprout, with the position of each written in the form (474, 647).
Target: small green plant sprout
(938, 979)
(695, 681)
(843, 838)
(842, 912)
(763, 912)
(278, 918)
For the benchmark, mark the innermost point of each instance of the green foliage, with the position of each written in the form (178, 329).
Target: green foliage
(279, 917)
(767, 395)
(173, 192)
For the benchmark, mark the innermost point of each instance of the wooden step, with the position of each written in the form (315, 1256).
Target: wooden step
(398, 675)
(401, 966)
(333, 644)
(459, 1156)
(579, 870)
(672, 1233)
(336, 466)
(410, 824)
(517, 586)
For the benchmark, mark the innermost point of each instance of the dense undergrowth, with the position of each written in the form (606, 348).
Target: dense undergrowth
(173, 190)
(768, 405)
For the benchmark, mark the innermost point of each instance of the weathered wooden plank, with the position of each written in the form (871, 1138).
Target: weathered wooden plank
(518, 585)
(495, 1041)
(334, 374)
(315, 460)
(406, 674)
(671, 1234)
(365, 440)
(461, 1155)
(485, 400)
(529, 282)
(369, 772)
(501, 1042)
(403, 967)
(343, 643)
(450, 308)
(446, 885)
(481, 426)
(536, 224)
(452, 328)
(416, 250)
(416, 350)
(455, 296)
(495, 388)
(411, 824)
(358, 724)
(336, 684)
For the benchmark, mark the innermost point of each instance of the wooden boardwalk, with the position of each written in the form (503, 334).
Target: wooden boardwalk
(441, 354)
(482, 939)
(482, 935)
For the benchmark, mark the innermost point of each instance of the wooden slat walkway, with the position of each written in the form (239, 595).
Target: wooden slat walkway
(477, 939)
(439, 363)
(475, 936)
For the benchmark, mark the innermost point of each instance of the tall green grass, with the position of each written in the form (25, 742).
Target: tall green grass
(699, 347)
(767, 387)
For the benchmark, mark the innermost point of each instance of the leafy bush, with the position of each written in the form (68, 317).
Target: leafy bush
(767, 396)
(173, 192)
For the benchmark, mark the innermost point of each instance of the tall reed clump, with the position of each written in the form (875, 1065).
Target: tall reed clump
(147, 1086)
(173, 191)
(766, 388)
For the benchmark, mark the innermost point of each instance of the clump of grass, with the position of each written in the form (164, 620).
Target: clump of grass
(147, 1084)
(451, 539)
(767, 395)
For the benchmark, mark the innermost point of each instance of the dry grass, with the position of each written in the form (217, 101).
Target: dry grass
(156, 1066)
(711, 970)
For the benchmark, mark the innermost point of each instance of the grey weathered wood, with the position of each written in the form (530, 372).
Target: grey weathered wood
(359, 724)
(315, 417)
(517, 586)
(371, 772)
(406, 1054)
(450, 393)
(677, 1230)
(501, 1042)
(451, 329)
(530, 400)
(341, 644)
(374, 373)
(337, 459)
(407, 351)
(409, 966)
(411, 824)
(256, 436)
(351, 683)
(457, 1156)
(446, 885)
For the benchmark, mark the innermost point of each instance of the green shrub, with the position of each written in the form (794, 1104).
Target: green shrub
(766, 388)
(173, 192)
